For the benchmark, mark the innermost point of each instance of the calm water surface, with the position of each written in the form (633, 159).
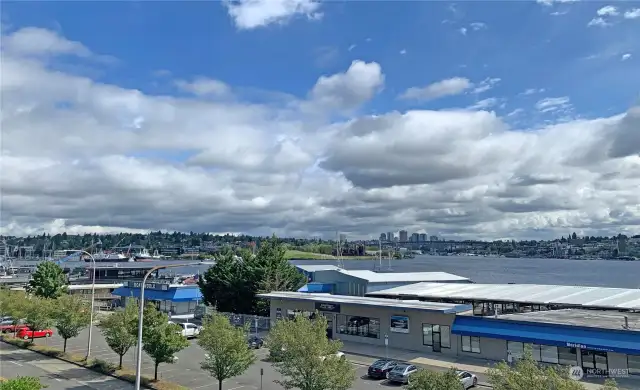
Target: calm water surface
(603, 273)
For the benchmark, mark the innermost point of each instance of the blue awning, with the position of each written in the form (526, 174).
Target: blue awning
(317, 288)
(181, 294)
(608, 340)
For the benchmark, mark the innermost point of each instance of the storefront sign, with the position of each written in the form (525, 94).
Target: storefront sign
(589, 347)
(148, 286)
(400, 324)
(332, 307)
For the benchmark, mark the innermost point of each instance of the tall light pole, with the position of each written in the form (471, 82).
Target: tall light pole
(141, 316)
(93, 296)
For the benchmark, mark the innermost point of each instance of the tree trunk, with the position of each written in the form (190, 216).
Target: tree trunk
(120, 364)
(219, 384)
(64, 348)
(155, 372)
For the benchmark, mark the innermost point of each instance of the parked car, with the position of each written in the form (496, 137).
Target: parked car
(188, 330)
(380, 368)
(255, 342)
(339, 355)
(7, 326)
(401, 373)
(27, 333)
(467, 379)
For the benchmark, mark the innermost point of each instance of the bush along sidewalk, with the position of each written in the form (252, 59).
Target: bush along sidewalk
(98, 365)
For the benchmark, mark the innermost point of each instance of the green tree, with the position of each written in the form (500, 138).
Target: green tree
(14, 304)
(308, 358)
(228, 354)
(120, 330)
(527, 374)
(231, 285)
(22, 383)
(39, 313)
(49, 281)
(71, 314)
(434, 380)
(161, 340)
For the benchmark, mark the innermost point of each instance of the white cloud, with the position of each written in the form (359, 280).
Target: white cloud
(74, 160)
(463, 30)
(486, 84)
(403, 51)
(33, 41)
(202, 86)
(485, 104)
(552, 2)
(251, 14)
(448, 87)
(532, 91)
(598, 22)
(632, 13)
(553, 104)
(351, 47)
(626, 56)
(478, 26)
(608, 10)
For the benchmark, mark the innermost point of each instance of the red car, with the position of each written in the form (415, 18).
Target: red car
(27, 333)
(10, 328)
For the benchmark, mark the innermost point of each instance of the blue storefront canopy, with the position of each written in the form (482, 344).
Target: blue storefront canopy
(183, 294)
(317, 288)
(608, 340)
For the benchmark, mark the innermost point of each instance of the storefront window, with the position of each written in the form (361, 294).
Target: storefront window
(548, 354)
(471, 344)
(567, 356)
(444, 331)
(633, 362)
(358, 326)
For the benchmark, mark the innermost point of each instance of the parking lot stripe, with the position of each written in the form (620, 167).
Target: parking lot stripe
(238, 387)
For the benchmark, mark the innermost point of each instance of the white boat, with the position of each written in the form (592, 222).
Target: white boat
(109, 257)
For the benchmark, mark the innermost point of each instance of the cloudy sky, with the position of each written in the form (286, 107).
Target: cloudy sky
(466, 120)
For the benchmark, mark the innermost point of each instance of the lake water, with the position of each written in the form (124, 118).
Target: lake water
(603, 273)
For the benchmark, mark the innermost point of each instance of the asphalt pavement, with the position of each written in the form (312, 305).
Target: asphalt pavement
(54, 373)
(186, 370)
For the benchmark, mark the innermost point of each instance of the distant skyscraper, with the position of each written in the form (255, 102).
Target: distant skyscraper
(404, 236)
(414, 237)
(383, 237)
(390, 236)
(422, 237)
(343, 237)
(433, 238)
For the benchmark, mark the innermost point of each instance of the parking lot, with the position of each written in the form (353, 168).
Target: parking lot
(187, 372)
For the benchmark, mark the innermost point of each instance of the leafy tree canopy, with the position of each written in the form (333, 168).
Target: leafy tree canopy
(71, 314)
(232, 283)
(49, 281)
(120, 330)
(434, 380)
(227, 351)
(161, 340)
(39, 313)
(308, 358)
(22, 383)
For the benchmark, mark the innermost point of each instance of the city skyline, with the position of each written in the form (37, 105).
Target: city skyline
(473, 120)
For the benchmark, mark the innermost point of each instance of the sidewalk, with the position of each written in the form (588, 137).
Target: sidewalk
(476, 366)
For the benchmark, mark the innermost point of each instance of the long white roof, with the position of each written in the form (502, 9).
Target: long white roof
(580, 296)
(391, 277)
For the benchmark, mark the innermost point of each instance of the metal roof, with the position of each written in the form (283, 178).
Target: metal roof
(389, 277)
(579, 296)
(604, 319)
(317, 267)
(367, 301)
(88, 286)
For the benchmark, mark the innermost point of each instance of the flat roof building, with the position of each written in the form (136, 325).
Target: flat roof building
(177, 299)
(335, 280)
(601, 342)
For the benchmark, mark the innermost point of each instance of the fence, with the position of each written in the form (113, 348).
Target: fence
(255, 323)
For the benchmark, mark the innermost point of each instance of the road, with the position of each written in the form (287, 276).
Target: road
(54, 373)
(187, 372)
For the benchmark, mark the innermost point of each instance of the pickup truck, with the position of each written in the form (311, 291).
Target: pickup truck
(188, 329)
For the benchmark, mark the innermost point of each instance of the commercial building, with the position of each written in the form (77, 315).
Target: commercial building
(177, 299)
(335, 280)
(600, 341)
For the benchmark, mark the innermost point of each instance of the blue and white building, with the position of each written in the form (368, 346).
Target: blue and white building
(177, 299)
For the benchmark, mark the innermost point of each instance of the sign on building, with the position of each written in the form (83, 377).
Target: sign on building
(325, 306)
(399, 324)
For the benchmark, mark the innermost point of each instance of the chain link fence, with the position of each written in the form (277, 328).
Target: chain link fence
(255, 323)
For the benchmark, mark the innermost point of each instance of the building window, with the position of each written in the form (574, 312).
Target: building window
(539, 353)
(633, 362)
(567, 356)
(431, 332)
(358, 326)
(471, 344)
(548, 354)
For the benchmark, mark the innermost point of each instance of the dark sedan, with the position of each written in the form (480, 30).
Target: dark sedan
(380, 368)
(255, 342)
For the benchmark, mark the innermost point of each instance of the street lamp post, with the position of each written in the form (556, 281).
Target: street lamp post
(141, 316)
(93, 296)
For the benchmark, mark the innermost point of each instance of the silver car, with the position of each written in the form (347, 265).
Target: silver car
(467, 379)
(401, 373)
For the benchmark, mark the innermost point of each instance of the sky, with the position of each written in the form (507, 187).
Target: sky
(469, 120)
